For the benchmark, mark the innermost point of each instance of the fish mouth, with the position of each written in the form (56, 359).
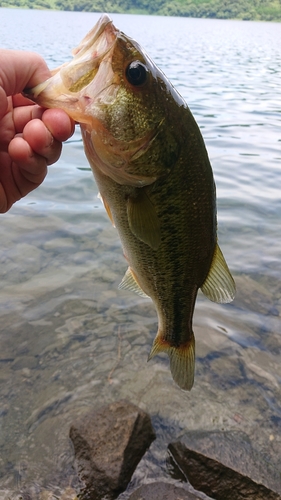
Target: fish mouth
(76, 85)
(85, 88)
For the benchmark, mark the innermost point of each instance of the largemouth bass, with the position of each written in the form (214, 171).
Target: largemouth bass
(155, 179)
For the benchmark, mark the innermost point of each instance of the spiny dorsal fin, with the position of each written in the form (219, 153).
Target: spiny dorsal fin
(182, 360)
(129, 282)
(219, 285)
(143, 219)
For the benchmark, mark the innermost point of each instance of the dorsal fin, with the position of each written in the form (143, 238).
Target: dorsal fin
(219, 285)
(129, 282)
(143, 219)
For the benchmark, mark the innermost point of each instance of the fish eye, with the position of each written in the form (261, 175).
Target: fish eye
(136, 73)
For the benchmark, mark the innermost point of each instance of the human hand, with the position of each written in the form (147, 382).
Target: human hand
(30, 137)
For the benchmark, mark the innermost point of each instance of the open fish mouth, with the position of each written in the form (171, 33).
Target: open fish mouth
(77, 84)
(87, 88)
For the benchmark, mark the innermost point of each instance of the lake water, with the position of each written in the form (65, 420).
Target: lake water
(69, 340)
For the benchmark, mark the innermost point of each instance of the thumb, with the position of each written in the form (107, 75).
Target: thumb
(20, 69)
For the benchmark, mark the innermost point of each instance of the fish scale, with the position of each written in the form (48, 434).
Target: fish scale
(155, 179)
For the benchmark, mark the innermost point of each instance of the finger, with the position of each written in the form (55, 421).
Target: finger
(29, 168)
(4, 203)
(41, 141)
(20, 69)
(23, 114)
(3, 103)
(20, 100)
(59, 124)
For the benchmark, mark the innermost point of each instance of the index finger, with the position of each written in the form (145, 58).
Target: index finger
(20, 100)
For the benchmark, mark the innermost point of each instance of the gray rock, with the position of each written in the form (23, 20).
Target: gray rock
(221, 466)
(108, 445)
(162, 491)
(235, 450)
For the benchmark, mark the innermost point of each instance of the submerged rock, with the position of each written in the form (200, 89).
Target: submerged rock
(108, 445)
(162, 491)
(222, 466)
(67, 494)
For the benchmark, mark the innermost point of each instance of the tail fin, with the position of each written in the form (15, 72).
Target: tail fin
(182, 360)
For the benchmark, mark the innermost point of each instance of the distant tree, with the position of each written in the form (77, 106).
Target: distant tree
(268, 10)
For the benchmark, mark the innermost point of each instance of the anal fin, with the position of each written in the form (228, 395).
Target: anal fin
(129, 282)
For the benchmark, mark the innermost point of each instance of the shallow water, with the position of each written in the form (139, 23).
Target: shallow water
(70, 341)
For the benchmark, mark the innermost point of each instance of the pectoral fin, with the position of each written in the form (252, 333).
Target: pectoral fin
(129, 282)
(182, 360)
(143, 219)
(219, 285)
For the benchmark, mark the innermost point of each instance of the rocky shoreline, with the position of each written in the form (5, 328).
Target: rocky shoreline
(110, 442)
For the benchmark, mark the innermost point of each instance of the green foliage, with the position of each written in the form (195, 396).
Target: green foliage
(266, 10)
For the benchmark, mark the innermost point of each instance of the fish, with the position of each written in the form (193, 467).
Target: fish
(154, 176)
